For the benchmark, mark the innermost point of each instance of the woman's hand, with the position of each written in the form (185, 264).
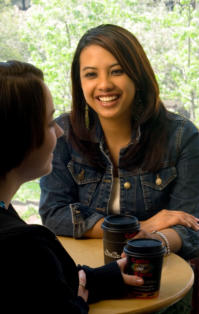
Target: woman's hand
(129, 279)
(82, 291)
(168, 218)
(142, 234)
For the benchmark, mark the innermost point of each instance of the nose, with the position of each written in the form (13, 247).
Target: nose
(58, 130)
(105, 83)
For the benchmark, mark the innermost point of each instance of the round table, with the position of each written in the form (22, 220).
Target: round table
(177, 279)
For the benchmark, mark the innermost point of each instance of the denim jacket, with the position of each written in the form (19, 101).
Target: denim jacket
(76, 195)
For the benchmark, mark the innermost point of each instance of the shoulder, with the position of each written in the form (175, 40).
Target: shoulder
(24, 244)
(63, 147)
(64, 121)
(182, 134)
(32, 241)
(26, 232)
(180, 123)
(175, 118)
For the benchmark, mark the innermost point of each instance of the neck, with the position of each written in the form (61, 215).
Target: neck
(118, 136)
(117, 132)
(8, 187)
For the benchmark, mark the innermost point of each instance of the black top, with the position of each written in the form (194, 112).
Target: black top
(37, 274)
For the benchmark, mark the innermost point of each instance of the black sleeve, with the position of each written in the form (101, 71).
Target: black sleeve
(37, 281)
(61, 291)
(104, 282)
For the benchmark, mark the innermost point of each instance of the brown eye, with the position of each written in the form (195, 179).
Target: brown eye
(117, 72)
(90, 74)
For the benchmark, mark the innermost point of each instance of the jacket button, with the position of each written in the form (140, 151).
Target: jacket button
(158, 180)
(127, 185)
(81, 175)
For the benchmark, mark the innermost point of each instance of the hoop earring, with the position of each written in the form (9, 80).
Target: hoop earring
(87, 122)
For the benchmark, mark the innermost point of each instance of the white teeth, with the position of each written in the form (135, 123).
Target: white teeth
(108, 98)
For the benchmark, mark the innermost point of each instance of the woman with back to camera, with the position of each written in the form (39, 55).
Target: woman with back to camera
(36, 272)
(122, 150)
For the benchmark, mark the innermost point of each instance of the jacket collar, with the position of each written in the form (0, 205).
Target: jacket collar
(98, 135)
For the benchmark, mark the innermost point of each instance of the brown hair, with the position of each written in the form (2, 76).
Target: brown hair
(148, 111)
(22, 112)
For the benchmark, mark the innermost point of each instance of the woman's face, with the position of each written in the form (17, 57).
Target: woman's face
(39, 162)
(107, 89)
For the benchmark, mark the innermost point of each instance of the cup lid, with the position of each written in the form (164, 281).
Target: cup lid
(144, 246)
(120, 222)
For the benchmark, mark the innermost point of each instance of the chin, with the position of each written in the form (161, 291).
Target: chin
(47, 170)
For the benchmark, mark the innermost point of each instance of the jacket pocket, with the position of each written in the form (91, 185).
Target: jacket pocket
(86, 179)
(157, 188)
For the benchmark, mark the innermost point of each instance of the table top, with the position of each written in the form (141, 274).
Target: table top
(177, 279)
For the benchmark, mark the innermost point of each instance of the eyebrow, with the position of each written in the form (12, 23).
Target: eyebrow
(94, 68)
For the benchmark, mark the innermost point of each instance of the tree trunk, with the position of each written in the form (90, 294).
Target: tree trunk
(192, 107)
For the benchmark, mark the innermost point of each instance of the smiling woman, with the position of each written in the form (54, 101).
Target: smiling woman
(122, 151)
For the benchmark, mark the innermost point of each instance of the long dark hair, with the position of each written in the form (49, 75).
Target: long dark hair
(22, 112)
(148, 111)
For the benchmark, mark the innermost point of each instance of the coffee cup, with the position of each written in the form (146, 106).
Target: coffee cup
(145, 259)
(117, 230)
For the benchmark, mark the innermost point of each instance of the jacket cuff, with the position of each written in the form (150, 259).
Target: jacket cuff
(83, 218)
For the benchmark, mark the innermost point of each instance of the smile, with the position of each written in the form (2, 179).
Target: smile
(108, 98)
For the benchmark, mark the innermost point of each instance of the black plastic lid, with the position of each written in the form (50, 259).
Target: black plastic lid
(144, 247)
(120, 222)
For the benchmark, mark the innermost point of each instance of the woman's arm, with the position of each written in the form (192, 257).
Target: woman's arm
(40, 266)
(162, 220)
(184, 194)
(173, 238)
(179, 220)
(96, 231)
(168, 218)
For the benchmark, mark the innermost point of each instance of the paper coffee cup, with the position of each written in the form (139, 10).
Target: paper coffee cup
(117, 230)
(145, 259)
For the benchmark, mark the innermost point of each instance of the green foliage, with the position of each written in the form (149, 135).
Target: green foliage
(31, 211)
(5, 4)
(10, 39)
(47, 35)
(28, 191)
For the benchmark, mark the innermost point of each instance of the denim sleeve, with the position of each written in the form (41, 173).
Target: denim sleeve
(59, 207)
(185, 193)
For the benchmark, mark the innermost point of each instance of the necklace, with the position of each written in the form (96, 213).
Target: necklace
(2, 204)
